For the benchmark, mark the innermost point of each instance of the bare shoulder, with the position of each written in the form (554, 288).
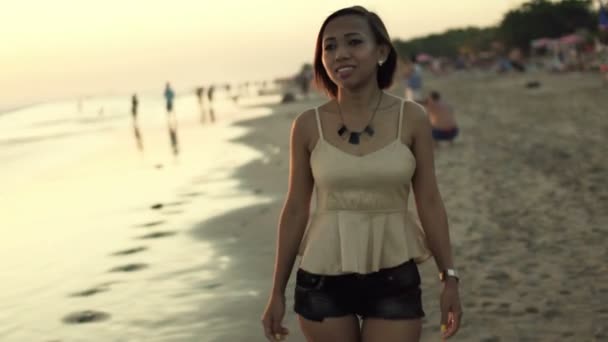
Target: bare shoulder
(304, 118)
(304, 128)
(415, 116)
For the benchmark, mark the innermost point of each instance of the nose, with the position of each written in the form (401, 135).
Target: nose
(342, 52)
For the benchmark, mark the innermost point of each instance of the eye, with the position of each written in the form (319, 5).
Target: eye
(329, 47)
(354, 42)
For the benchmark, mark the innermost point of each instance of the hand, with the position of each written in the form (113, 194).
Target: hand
(451, 312)
(273, 318)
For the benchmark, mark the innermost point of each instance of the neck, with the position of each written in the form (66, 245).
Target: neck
(357, 102)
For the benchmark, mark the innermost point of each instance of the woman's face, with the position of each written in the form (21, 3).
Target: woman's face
(350, 53)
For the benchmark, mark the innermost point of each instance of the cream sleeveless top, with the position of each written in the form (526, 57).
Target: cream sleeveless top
(361, 222)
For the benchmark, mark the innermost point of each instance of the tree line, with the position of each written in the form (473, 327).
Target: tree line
(518, 27)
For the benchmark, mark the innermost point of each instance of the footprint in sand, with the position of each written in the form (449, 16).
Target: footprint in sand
(156, 235)
(129, 268)
(130, 251)
(212, 286)
(90, 292)
(491, 339)
(151, 224)
(531, 310)
(176, 203)
(192, 194)
(156, 206)
(88, 316)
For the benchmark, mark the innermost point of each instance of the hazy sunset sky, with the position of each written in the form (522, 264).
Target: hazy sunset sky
(64, 48)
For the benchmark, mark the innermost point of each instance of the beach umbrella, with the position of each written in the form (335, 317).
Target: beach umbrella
(541, 43)
(571, 39)
(423, 57)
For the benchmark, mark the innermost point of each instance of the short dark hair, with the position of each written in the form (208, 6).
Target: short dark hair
(435, 95)
(385, 72)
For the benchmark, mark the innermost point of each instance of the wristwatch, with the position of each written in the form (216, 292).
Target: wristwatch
(448, 272)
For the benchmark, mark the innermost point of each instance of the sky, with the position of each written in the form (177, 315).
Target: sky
(71, 48)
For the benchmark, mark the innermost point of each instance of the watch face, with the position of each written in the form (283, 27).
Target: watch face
(448, 273)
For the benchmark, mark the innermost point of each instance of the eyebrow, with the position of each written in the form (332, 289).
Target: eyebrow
(346, 35)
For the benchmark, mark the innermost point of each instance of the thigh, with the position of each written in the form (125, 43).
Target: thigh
(385, 330)
(318, 297)
(394, 294)
(333, 329)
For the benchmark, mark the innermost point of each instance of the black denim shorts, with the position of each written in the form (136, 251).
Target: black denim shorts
(390, 293)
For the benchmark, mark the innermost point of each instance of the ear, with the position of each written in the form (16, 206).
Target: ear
(383, 51)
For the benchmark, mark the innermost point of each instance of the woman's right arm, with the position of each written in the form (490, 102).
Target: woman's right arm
(294, 216)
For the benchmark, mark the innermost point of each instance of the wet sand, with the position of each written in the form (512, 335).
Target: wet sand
(528, 210)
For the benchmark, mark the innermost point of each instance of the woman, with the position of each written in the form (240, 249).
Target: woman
(361, 151)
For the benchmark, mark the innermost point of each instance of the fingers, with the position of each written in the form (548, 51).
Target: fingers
(268, 329)
(453, 323)
(279, 331)
(273, 330)
(444, 319)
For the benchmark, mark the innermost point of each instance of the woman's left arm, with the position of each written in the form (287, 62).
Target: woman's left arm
(431, 210)
(434, 220)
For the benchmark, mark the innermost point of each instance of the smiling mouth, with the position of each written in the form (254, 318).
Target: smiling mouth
(345, 69)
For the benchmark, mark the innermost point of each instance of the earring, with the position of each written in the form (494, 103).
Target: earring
(380, 62)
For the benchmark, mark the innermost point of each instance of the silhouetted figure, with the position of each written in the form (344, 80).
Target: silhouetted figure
(136, 132)
(304, 78)
(169, 97)
(134, 106)
(210, 92)
(199, 95)
(171, 119)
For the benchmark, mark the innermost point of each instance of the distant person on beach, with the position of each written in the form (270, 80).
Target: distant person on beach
(199, 94)
(136, 132)
(443, 120)
(210, 93)
(134, 105)
(171, 119)
(200, 91)
(362, 151)
(413, 81)
(169, 97)
(304, 78)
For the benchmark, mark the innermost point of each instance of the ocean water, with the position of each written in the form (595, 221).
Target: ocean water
(94, 231)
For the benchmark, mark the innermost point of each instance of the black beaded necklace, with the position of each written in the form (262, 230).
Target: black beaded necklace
(355, 137)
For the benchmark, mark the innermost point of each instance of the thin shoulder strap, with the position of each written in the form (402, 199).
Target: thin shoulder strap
(400, 120)
(319, 123)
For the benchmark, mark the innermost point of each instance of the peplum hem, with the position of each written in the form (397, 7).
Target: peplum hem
(343, 241)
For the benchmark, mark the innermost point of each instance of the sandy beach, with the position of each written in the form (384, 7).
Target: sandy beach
(111, 247)
(524, 195)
